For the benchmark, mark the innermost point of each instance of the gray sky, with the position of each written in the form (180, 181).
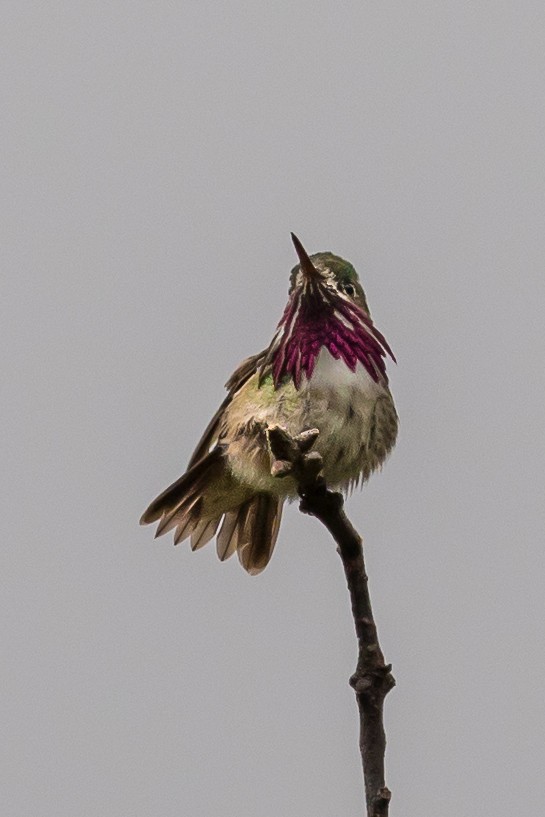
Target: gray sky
(155, 157)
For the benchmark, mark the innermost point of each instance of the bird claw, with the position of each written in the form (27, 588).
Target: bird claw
(292, 455)
(306, 439)
(281, 468)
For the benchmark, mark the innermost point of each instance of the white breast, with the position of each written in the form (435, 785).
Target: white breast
(341, 404)
(330, 374)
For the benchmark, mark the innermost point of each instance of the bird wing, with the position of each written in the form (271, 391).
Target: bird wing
(239, 377)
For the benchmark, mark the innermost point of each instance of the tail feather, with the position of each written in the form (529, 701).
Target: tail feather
(172, 496)
(227, 538)
(251, 529)
(186, 510)
(185, 528)
(260, 530)
(204, 532)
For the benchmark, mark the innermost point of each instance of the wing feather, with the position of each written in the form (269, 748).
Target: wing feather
(211, 434)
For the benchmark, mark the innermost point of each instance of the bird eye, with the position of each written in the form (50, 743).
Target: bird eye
(348, 289)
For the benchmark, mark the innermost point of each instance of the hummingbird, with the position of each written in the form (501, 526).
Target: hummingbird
(324, 368)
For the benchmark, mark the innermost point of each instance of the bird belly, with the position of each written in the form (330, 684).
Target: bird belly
(339, 402)
(342, 405)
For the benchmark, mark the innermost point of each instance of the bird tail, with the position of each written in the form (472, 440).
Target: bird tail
(249, 529)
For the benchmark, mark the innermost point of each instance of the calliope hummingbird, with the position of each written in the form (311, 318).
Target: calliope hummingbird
(324, 368)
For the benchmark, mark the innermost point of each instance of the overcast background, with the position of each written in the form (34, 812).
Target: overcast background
(155, 156)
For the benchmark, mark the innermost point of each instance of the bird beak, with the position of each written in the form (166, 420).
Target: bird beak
(310, 273)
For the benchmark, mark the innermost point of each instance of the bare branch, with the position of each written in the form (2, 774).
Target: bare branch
(372, 679)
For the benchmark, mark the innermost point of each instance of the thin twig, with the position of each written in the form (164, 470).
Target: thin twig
(372, 679)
